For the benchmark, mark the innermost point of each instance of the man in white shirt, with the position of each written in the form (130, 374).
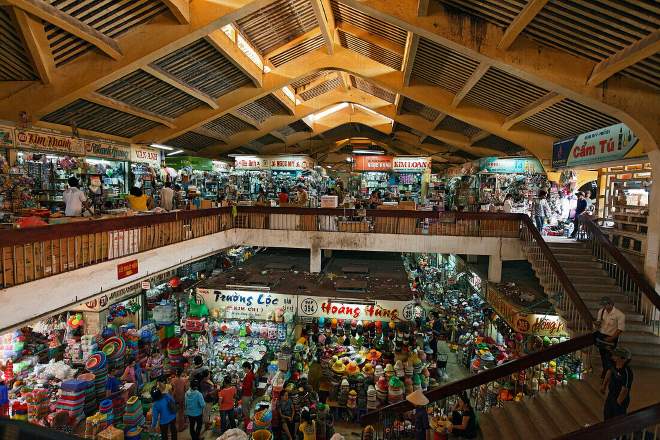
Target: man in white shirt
(166, 196)
(611, 323)
(74, 199)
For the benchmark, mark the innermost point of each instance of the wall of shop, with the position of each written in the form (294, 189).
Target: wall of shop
(29, 301)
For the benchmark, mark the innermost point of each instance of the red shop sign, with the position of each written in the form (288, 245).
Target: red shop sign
(127, 269)
(373, 163)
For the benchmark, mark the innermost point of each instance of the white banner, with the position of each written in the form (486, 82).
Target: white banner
(282, 163)
(411, 164)
(37, 140)
(316, 307)
(142, 154)
(236, 304)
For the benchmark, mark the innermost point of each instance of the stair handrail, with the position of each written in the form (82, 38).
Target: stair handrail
(566, 283)
(640, 281)
(614, 428)
(499, 372)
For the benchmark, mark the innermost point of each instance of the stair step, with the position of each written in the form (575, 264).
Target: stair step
(580, 412)
(539, 417)
(592, 300)
(566, 244)
(592, 279)
(518, 414)
(642, 361)
(591, 398)
(559, 413)
(570, 256)
(641, 348)
(488, 427)
(504, 425)
(577, 271)
(590, 264)
(633, 336)
(631, 316)
(606, 284)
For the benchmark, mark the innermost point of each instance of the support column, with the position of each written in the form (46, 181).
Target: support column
(327, 253)
(653, 222)
(315, 259)
(494, 269)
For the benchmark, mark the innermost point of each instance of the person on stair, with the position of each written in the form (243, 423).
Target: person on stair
(580, 209)
(611, 323)
(618, 382)
(541, 210)
(463, 419)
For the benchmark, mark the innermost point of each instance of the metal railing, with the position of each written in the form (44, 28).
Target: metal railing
(642, 424)
(554, 280)
(520, 378)
(637, 290)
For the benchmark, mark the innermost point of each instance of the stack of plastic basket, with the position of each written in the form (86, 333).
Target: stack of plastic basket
(133, 416)
(97, 364)
(175, 353)
(115, 349)
(90, 394)
(37, 402)
(105, 409)
(72, 398)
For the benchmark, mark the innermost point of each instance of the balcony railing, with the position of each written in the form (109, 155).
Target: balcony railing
(641, 424)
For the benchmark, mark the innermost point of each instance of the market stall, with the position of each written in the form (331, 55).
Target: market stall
(207, 177)
(145, 168)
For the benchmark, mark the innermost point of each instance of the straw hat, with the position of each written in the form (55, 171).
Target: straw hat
(417, 398)
(373, 355)
(339, 367)
(352, 368)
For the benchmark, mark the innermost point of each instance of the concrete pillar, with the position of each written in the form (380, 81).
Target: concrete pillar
(494, 269)
(653, 222)
(315, 259)
(327, 253)
(472, 258)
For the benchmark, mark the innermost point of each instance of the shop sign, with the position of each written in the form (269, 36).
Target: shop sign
(317, 307)
(142, 154)
(106, 150)
(220, 166)
(372, 163)
(146, 285)
(605, 145)
(236, 304)
(127, 269)
(541, 325)
(6, 137)
(196, 163)
(37, 140)
(510, 165)
(276, 163)
(411, 164)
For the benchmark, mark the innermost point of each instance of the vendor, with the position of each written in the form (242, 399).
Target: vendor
(283, 196)
(261, 197)
(422, 425)
(112, 384)
(303, 197)
(247, 391)
(463, 419)
(138, 201)
(166, 196)
(74, 199)
(374, 199)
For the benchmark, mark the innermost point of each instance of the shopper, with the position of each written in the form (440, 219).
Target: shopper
(207, 388)
(163, 413)
(463, 419)
(261, 197)
(166, 196)
(137, 200)
(580, 209)
(422, 425)
(194, 409)
(508, 203)
(437, 328)
(618, 382)
(307, 426)
(283, 196)
(179, 385)
(74, 199)
(541, 210)
(178, 197)
(285, 410)
(198, 368)
(226, 403)
(247, 391)
(611, 323)
(303, 197)
(374, 199)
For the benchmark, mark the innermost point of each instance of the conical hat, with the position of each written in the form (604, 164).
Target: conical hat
(417, 398)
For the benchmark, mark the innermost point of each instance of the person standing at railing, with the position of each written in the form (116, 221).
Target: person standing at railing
(618, 382)
(580, 209)
(611, 323)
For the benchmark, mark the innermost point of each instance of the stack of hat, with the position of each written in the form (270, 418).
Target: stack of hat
(408, 383)
(409, 368)
(352, 399)
(118, 405)
(372, 400)
(343, 393)
(352, 369)
(381, 389)
(72, 397)
(389, 371)
(97, 364)
(368, 370)
(399, 369)
(133, 416)
(395, 390)
(175, 353)
(417, 365)
(134, 433)
(105, 408)
(37, 402)
(417, 383)
(378, 373)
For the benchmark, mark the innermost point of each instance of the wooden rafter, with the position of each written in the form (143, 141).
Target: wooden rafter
(223, 44)
(49, 13)
(326, 21)
(372, 38)
(535, 107)
(346, 81)
(483, 134)
(208, 133)
(398, 103)
(471, 82)
(521, 21)
(422, 8)
(180, 9)
(278, 135)
(626, 57)
(114, 104)
(36, 42)
(412, 41)
(176, 82)
(285, 101)
(438, 120)
(313, 33)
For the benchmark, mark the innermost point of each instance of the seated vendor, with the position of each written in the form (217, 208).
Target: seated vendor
(113, 384)
(463, 419)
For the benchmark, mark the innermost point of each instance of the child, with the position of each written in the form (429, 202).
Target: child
(307, 426)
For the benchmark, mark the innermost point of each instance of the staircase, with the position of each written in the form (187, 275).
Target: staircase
(592, 283)
(545, 415)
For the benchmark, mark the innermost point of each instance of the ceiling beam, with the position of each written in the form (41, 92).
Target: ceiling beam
(123, 107)
(254, 124)
(285, 101)
(422, 8)
(346, 81)
(46, 12)
(438, 120)
(326, 21)
(483, 134)
(36, 42)
(398, 103)
(626, 57)
(470, 83)
(412, 41)
(180, 9)
(230, 50)
(545, 101)
(526, 15)
(372, 38)
(208, 133)
(176, 82)
(313, 33)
